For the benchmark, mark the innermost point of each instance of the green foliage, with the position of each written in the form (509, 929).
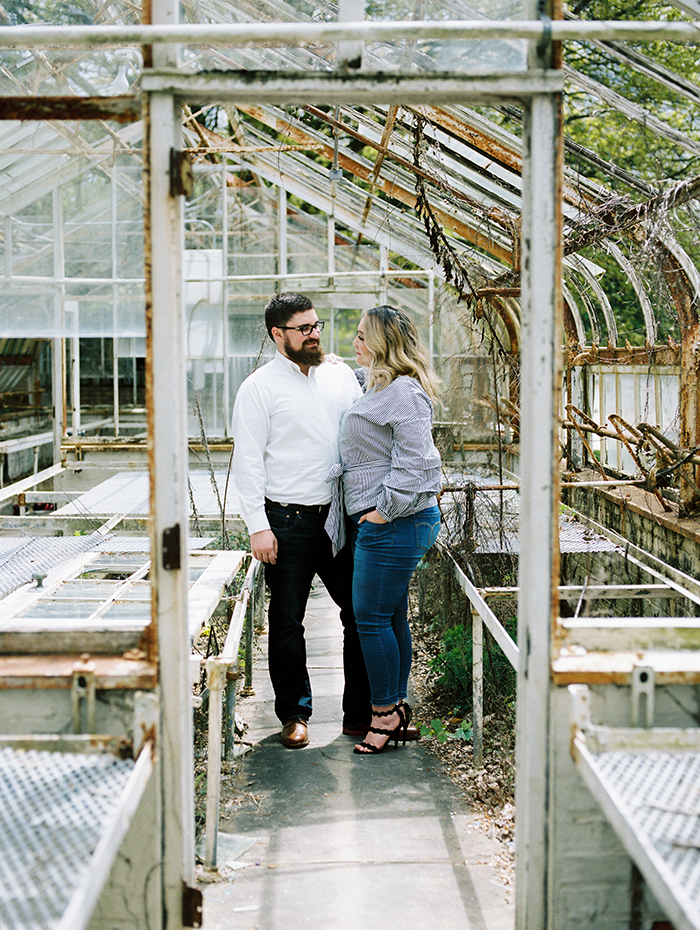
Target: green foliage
(440, 730)
(453, 664)
(648, 161)
(611, 134)
(240, 539)
(436, 729)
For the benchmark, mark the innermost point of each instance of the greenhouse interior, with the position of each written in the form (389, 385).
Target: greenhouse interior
(522, 178)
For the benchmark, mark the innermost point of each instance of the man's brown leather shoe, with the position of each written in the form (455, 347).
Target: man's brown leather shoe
(294, 734)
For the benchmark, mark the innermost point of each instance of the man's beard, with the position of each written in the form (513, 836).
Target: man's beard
(311, 354)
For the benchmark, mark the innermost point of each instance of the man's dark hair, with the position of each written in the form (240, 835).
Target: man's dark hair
(281, 308)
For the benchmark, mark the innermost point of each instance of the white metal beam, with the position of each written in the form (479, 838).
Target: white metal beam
(169, 506)
(539, 564)
(242, 35)
(201, 88)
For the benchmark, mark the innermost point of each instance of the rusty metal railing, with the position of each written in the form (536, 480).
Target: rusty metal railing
(223, 673)
(481, 614)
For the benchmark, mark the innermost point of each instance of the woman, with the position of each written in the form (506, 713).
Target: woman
(391, 474)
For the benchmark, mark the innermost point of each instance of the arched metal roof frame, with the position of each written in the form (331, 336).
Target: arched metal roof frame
(572, 308)
(569, 283)
(635, 280)
(582, 268)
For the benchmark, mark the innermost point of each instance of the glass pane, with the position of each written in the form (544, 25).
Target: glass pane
(128, 610)
(406, 56)
(85, 589)
(69, 610)
(72, 254)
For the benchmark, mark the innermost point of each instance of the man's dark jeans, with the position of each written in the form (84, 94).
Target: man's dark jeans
(304, 550)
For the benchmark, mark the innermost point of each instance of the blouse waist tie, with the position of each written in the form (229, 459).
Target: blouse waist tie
(335, 521)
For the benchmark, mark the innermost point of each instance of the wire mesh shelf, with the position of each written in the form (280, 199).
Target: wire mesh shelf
(647, 782)
(53, 809)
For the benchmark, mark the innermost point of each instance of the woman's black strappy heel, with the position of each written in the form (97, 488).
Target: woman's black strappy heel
(407, 711)
(368, 749)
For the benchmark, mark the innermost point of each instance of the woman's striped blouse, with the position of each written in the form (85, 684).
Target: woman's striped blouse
(387, 451)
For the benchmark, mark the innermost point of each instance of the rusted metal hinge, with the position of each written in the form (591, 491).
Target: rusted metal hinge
(181, 176)
(191, 906)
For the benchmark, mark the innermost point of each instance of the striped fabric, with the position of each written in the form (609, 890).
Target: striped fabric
(387, 451)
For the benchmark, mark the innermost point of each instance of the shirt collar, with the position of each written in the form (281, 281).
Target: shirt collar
(286, 362)
(292, 366)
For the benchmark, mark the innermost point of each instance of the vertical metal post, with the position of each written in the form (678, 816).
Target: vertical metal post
(58, 345)
(248, 659)
(57, 364)
(282, 260)
(259, 592)
(477, 689)
(431, 315)
(226, 348)
(539, 565)
(167, 447)
(115, 305)
(230, 716)
(216, 680)
(331, 244)
(75, 371)
(383, 268)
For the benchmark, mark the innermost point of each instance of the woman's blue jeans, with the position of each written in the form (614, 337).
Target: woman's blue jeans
(385, 556)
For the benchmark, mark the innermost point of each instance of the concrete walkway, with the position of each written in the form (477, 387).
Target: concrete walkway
(328, 839)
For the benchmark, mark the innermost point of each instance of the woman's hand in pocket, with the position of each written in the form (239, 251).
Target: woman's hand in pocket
(372, 517)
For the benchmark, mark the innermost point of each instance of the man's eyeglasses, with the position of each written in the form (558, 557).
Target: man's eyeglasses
(307, 328)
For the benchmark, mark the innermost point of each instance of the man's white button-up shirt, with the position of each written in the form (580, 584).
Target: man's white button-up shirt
(285, 433)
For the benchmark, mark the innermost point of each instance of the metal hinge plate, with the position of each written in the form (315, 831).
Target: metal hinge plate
(181, 174)
(172, 557)
(191, 906)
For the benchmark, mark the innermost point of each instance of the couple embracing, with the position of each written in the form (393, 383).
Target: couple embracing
(341, 483)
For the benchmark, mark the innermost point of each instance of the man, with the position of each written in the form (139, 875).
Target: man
(286, 420)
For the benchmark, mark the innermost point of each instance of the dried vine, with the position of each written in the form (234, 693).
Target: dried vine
(444, 252)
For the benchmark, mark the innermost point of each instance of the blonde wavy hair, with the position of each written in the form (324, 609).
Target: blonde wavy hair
(392, 338)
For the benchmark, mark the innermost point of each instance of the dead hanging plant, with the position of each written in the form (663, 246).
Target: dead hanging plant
(448, 257)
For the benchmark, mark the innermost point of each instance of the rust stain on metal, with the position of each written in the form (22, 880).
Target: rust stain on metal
(599, 670)
(149, 738)
(682, 293)
(56, 672)
(118, 109)
(632, 355)
(472, 137)
(151, 633)
(491, 148)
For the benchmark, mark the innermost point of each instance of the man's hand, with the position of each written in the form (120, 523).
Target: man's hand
(263, 545)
